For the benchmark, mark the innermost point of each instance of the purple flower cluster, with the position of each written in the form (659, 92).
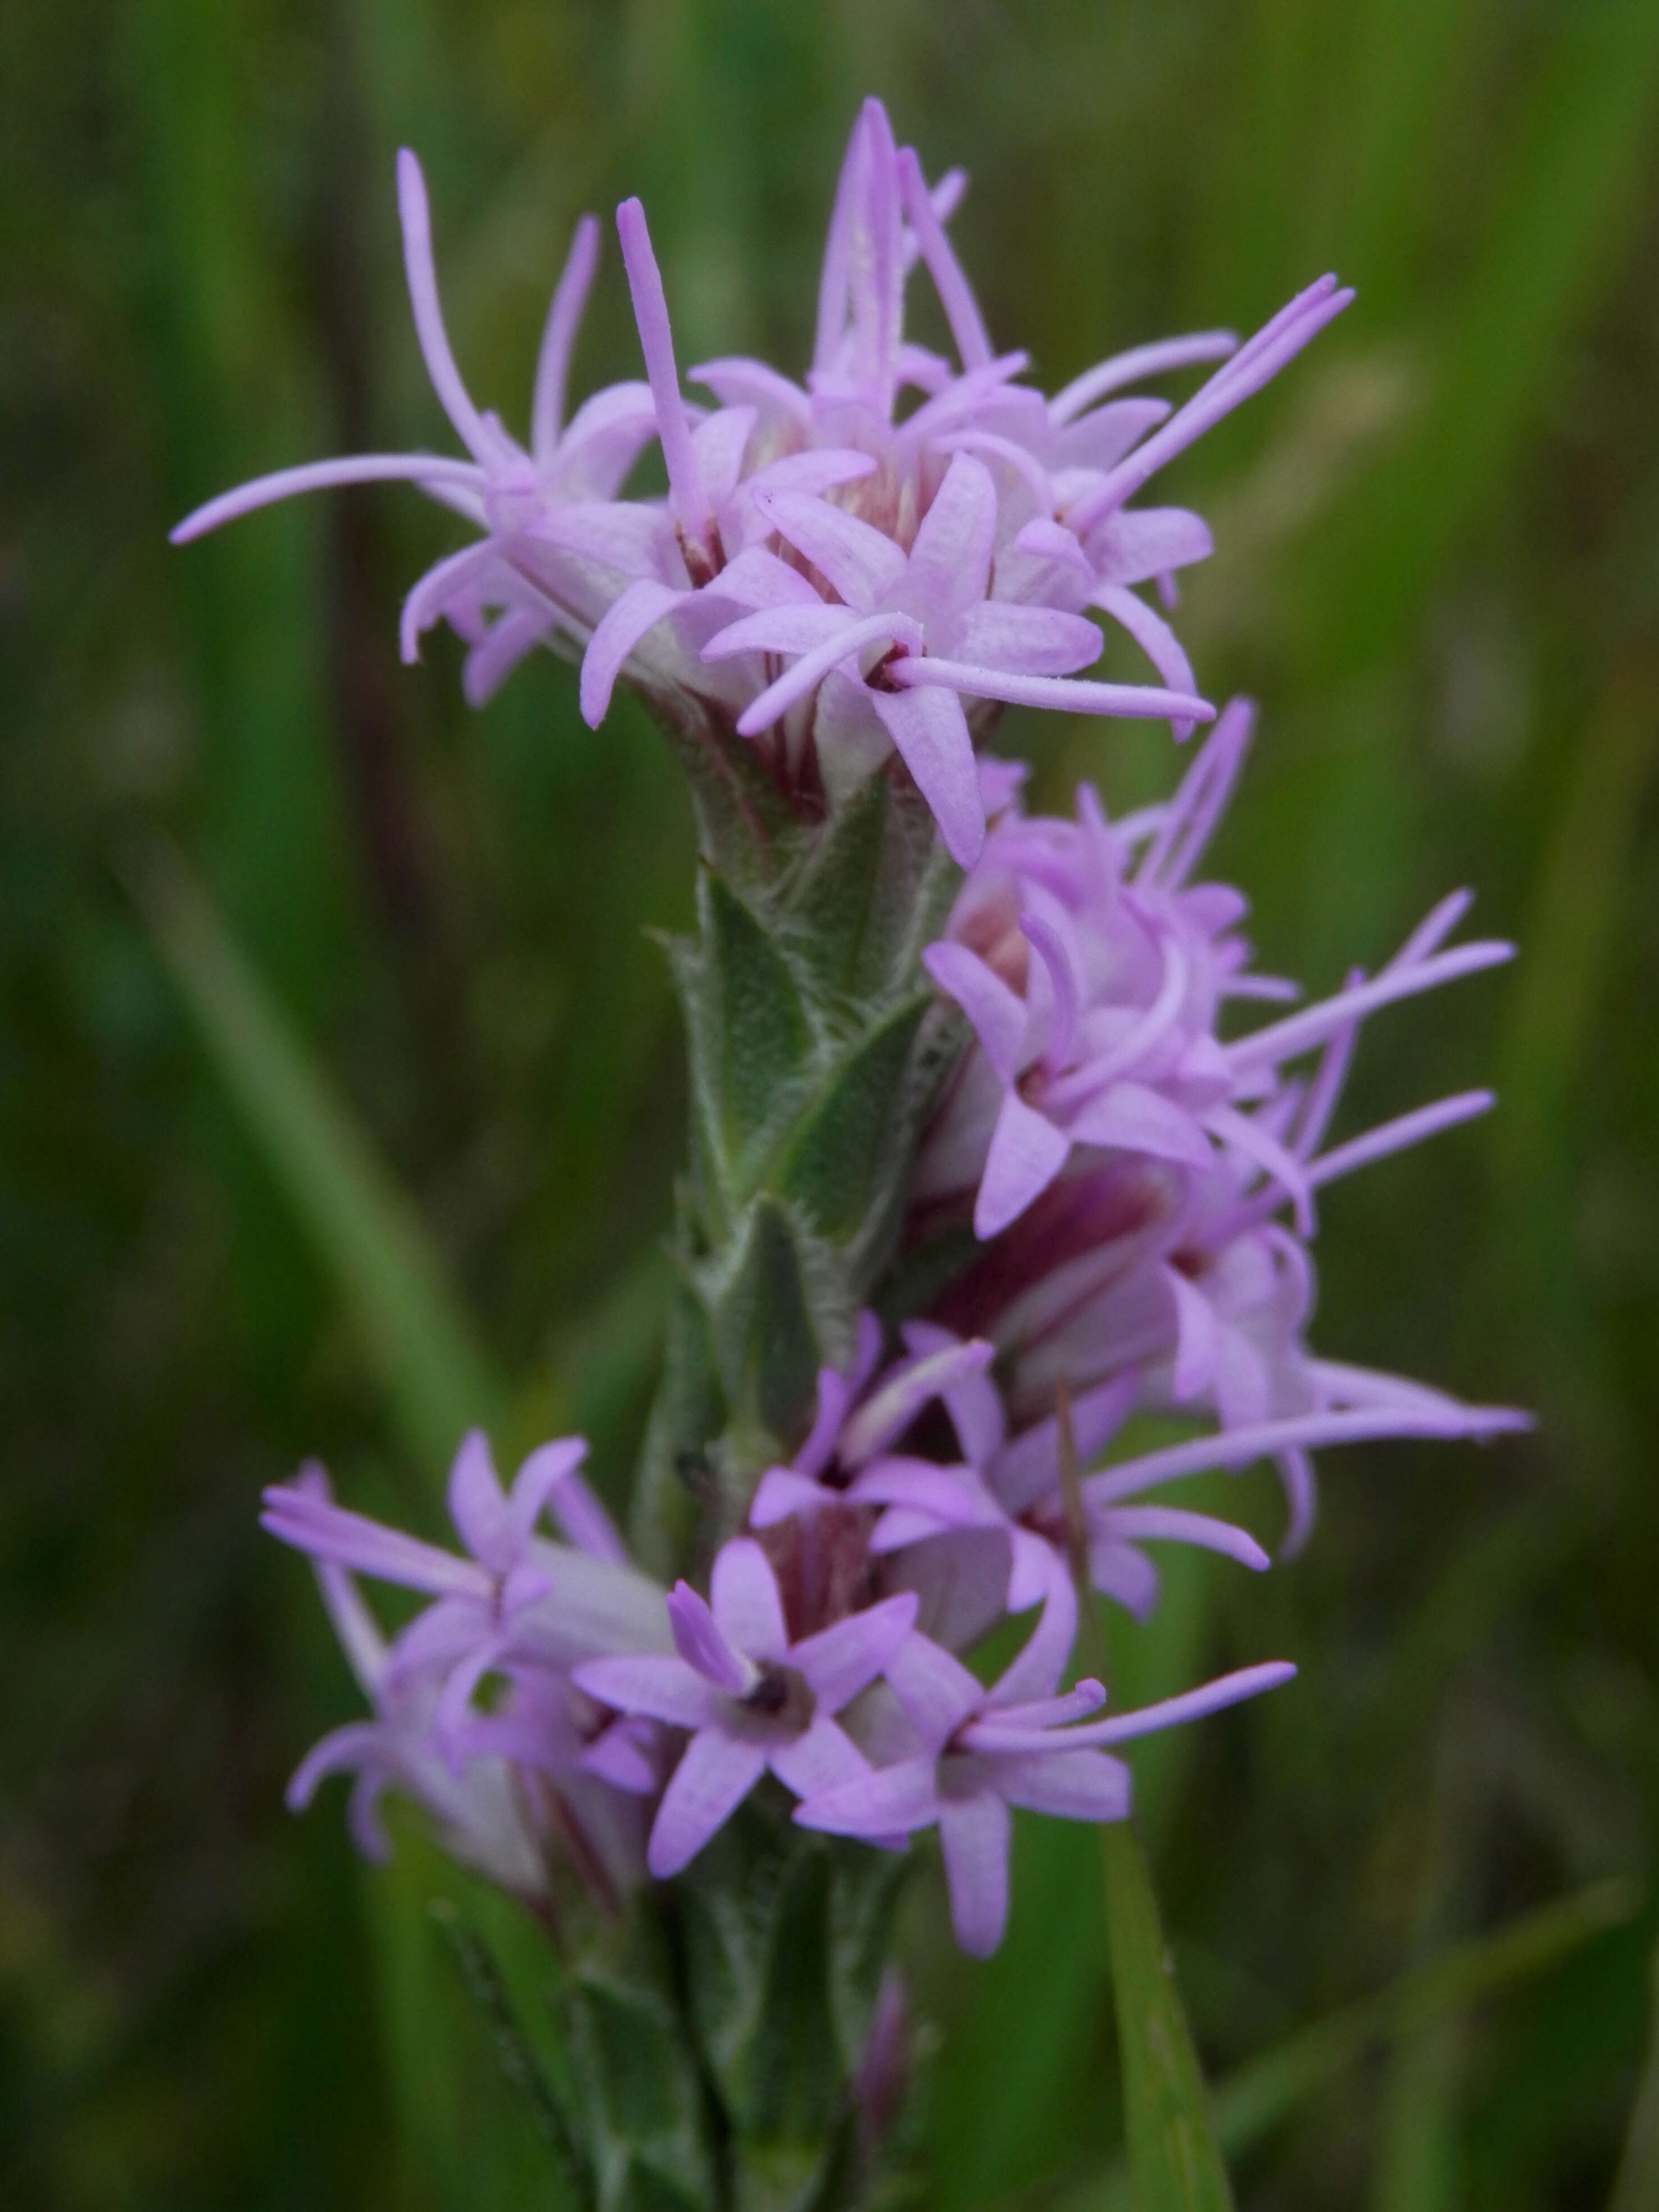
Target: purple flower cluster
(858, 565)
(1126, 1171)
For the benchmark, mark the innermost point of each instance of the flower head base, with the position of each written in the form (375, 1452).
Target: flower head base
(840, 583)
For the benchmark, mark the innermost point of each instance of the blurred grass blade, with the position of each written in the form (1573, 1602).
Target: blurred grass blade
(1174, 2157)
(1418, 2150)
(1636, 2187)
(1253, 2102)
(437, 1378)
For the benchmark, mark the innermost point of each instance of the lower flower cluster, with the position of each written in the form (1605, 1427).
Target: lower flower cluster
(1110, 1176)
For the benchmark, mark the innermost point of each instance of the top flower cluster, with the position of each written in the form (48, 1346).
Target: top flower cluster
(843, 568)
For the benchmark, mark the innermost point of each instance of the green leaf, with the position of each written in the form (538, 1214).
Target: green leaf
(764, 1294)
(854, 1136)
(1263, 2094)
(1174, 2157)
(439, 1381)
(1636, 2187)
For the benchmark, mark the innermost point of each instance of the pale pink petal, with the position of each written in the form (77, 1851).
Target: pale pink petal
(1149, 540)
(862, 563)
(813, 472)
(1064, 694)
(842, 1659)
(1038, 641)
(950, 564)
(1197, 1337)
(428, 316)
(716, 1773)
(478, 1507)
(718, 444)
(1191, 1705)
(1140, 361)
(325, 476)
(1034, 1671)
(1141, 1524)
(564, 317)
(973, 1834)
(1299, 1032)
(814, 666)
(1132, 1117)
(780, 1491)
(936, 1690)
(685, 484)
(956, 295)
(704, 1645)
(662, 1689)
(1155, 638)
(1395, 1136)
(905, 1390)
(736, 382)
(1027, 1152)
(823, 1757)
(930, 733)
(625, 623)
(800, 626)
(892, 1800)
(1072, 1785)
(743, 1596)
(1101, 439)
(997, 1016)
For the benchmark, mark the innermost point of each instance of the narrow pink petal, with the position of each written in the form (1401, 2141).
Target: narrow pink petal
(1144, 1523)
(908, 1388)
(875, 263)
(429, 599)
(1296, 1477)
(952, 1497)
(1086, 1697)
(1133, 1117)
(719, 444)
(813, 472)
(736, 382)
(498, 652)
(342, 1751)
(1036, 1669)
(950, 564)
(813, 666)
(954, 293)
(324, 476)
(823, 1757)
(1101, 439)
(801, 626)
(478, 1505)
(1036, 641)
(844, 1658)
(1064, 694)
(1198, 1337)
(423, 277)
(1191, 815)
(894, 1800)
(624, 624)
(1434, 929)
(1140, 361)
(1255, 364)
(780, 1491)
(1263, 1149)
(1150, 541)
(743, 1596)
(662, 1689)
(930, 733)
(997, 1016)
(975, 1404)
(861, 563)
(974, 1835)
(1020, 458)
(1237, 1448)
(704, 1645)
(1299, 1032)
(1191, 1705)
(548, 1477)
(936, 1690)
(1395, 1136)
(1155, 638)
(1048, 929)
(1027, 1152)
(685, 485)
(1070, 1785)
(563, 318)
(714, 1777)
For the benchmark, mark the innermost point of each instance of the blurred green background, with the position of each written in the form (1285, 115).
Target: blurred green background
(412, 1057)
